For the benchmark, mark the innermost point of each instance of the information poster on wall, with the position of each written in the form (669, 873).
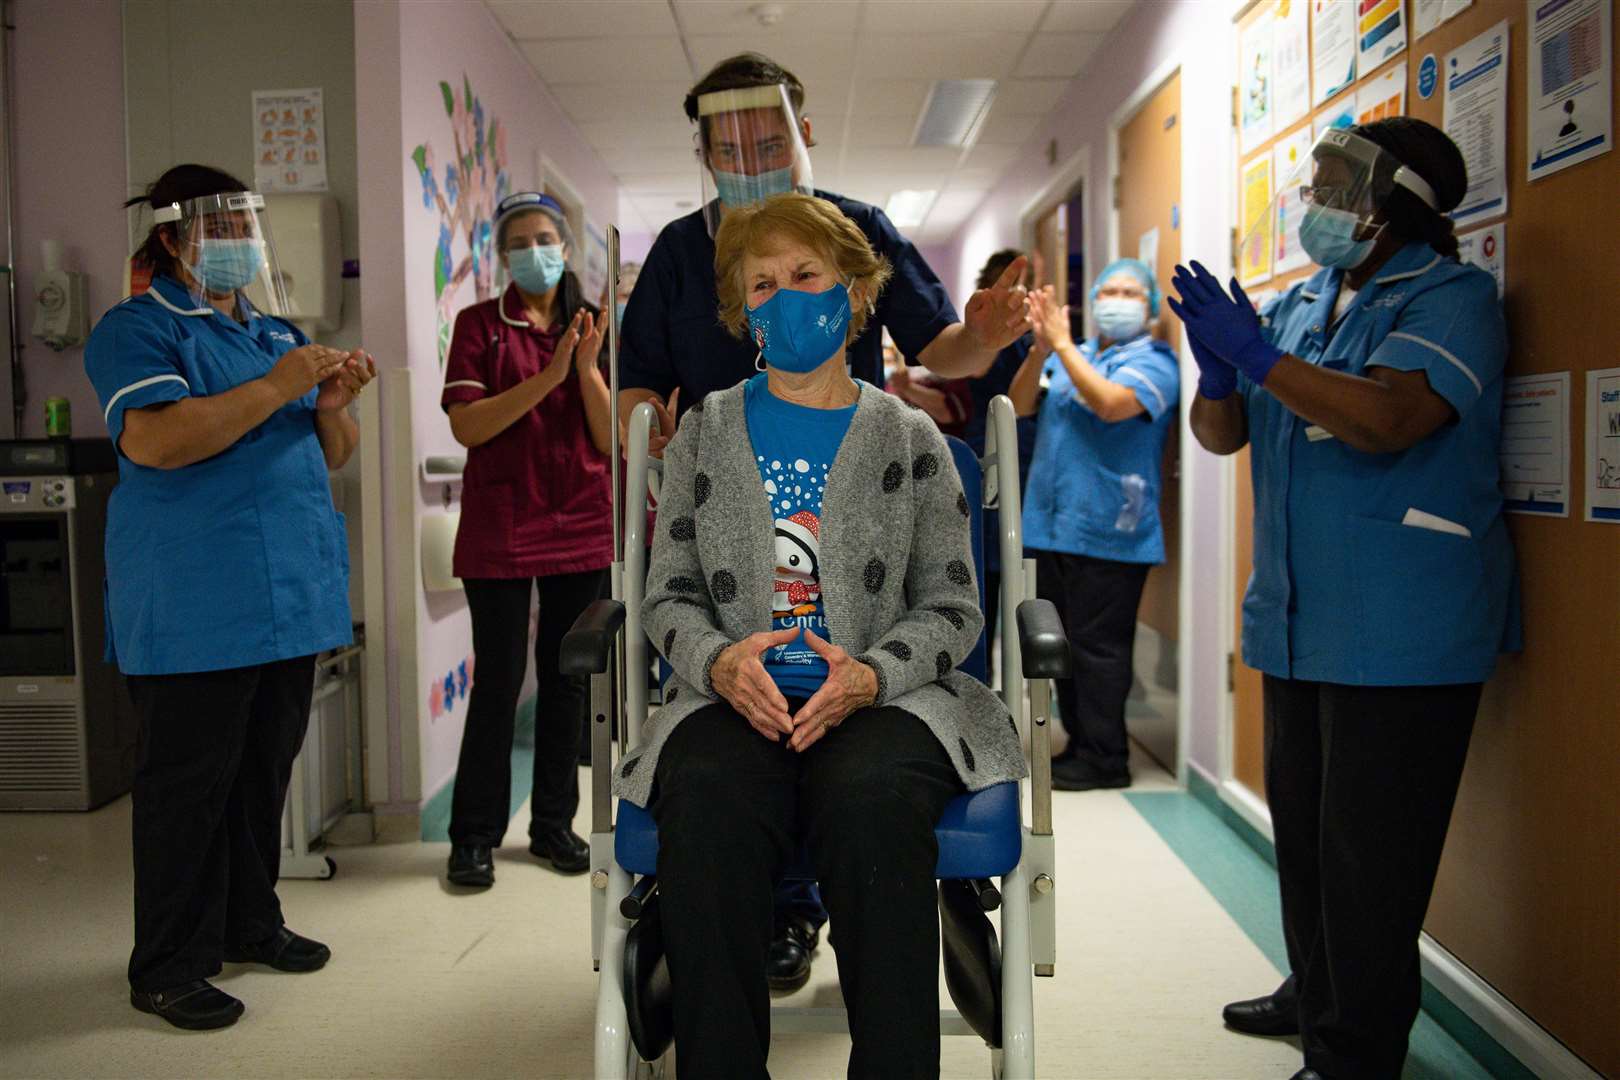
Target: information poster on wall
(1487, 249)
(1603, 445)
(1475, 116)
(289, 140)
(1255, 259)
(1333, 48)
(1147, 250)
(1380, 32)
(1535, 444)
(1287, 155)
(1342, 114)
(1429, 14)
(1291, 63)
(1383, 97)
(1254, 90)
(1570, 84)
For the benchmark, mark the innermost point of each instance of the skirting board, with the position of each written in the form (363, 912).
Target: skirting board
(1535, 1049)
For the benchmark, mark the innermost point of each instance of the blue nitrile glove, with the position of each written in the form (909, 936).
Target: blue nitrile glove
(1216, 378)
(1227, 325)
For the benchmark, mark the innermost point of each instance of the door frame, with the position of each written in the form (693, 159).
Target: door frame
(1190, 488)
(1075, 170)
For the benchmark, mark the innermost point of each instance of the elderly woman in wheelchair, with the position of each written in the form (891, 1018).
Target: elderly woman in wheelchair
(811, 590)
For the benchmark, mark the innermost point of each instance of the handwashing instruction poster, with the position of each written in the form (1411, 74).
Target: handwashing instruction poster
(289, 140)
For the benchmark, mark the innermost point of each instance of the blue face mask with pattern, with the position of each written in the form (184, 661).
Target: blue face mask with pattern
(798, 331)
(224, 266)
(740, 189)
(536, 269)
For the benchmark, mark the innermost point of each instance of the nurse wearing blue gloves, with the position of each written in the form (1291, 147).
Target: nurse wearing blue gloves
(1383, 586)
(227, 572)
(1091, 506)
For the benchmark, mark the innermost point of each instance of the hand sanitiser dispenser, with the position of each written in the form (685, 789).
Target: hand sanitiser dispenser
(61, 311)
(309, 253)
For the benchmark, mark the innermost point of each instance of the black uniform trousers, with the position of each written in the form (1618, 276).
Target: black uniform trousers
(1097, 600)
(481, 804)
(213, 759)
(733, 810)
(1361, 781)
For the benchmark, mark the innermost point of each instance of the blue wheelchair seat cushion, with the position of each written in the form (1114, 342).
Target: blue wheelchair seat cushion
(980, 836)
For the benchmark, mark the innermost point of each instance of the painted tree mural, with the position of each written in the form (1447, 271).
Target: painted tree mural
(465, 195)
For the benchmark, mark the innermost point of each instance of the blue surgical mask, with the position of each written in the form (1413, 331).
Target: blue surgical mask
(1119, 318)
(224, 266)
(798, 331)
(740, 189)
(536, 269)
(1328, 237)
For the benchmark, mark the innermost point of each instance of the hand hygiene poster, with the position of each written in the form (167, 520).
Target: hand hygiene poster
(1569, 85)
(1256, 195)
(1475, 116)
(1603, 445)
(289, 140)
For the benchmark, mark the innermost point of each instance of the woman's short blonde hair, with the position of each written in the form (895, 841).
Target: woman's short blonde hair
(759, 229)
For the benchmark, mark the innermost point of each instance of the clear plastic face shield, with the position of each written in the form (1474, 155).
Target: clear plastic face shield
(750, 146)
(1333, 197)
(223, 243)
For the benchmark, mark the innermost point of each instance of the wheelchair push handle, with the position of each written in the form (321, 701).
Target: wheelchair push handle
(587, 648)
(1042, 642)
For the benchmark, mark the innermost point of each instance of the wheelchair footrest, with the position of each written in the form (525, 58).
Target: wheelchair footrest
(972, 958)
(648, 999)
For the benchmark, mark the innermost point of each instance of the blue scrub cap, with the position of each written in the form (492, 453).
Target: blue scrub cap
(523, 202)
(1140, 270)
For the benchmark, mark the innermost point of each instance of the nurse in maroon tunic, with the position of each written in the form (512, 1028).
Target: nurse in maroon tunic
(526, 397)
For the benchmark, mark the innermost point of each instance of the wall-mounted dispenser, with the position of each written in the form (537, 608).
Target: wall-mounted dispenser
(309, 252)
(61, 308)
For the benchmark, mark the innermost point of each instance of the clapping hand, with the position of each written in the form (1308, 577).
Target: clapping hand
(343, 385)
(999, 315)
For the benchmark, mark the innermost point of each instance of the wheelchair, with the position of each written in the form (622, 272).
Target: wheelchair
(982, 836)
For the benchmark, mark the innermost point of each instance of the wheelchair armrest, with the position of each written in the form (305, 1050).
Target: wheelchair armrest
(1041, 641)
(588, 645)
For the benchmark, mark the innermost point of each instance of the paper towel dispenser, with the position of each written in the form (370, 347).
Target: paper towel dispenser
(309, 253)
(438, 552)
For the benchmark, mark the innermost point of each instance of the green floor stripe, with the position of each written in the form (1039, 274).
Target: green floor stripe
(436, 812)
(1245, 885)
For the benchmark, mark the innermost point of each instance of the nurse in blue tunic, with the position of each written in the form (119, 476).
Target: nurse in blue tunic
(1383, 588)
(227, 572)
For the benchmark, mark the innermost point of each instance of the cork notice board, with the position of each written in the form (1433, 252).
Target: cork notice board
(1529, 890)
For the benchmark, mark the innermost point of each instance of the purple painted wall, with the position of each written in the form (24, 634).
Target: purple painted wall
(69, 144)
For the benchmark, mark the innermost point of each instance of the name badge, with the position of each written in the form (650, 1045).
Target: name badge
(1317, 433)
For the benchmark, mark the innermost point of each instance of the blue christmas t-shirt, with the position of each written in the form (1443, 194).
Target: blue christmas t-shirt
(794, 446)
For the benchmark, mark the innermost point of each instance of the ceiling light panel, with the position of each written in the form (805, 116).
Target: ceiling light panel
(956, 109)
(908, 207)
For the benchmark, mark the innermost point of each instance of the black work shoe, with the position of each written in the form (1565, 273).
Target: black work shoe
(1275, 1014)
(1073, 773)
(471, 865)
(787, 961)
(563, 849)
(284, 951)
(198, 1005)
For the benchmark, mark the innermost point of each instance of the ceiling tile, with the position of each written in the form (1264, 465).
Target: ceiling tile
(733, 17)
(1085, 16)
(1007, 130)
(943, 56)
(671, 182)
(891, 131)
(621, 132)
(1058, 55)
(529, 20)
(593, 102)
(952, 208)
(1030, 97)
(951, 16)
(822, 62)
(626, 159)
(602, 60)
(935, 160)
(892, 97)
(991, 156)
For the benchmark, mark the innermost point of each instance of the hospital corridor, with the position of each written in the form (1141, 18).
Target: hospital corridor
(704, 539)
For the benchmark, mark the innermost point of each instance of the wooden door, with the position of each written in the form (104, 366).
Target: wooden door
(1051, 248)
(1147, 198)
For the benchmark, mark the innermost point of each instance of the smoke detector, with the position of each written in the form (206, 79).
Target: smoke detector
(767, 15)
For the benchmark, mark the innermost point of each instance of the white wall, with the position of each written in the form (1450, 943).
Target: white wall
(1197, 34)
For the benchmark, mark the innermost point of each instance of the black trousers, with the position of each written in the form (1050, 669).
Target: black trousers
(1361, 782)
(732, 809)
(1097, 600)
(481, 804)
(213, 758)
